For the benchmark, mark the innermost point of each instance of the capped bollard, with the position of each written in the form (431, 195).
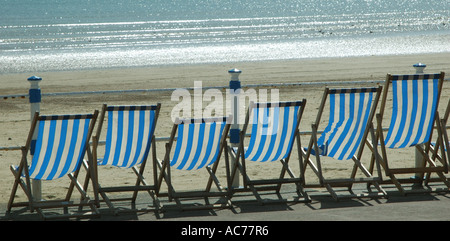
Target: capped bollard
(35, 103)
(419, 67)
(235, 86)
(419, 158)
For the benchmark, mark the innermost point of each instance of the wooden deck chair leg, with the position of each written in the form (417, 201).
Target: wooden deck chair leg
(286, 169)
(26, 188)
(432, 164)
(441, 143)
(90, 175)
(306, 157)
(377, 161)
(156, 201)
(317, 169)
(165, 172)
(84, 197)
(249, 184)
(239, 166)
(23, 168)
(299, 185)
(74, 184)
(228, 173)
(235, 156)
(212, 173)
(383, 158)
(213, 178)
(380, 136)
(25, 185)
(445, 152)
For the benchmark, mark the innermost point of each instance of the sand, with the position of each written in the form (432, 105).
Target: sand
(15, 113)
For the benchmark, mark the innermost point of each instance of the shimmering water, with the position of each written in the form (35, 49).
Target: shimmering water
(49, 35)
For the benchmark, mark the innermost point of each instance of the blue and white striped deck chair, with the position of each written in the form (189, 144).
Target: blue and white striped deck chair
(58, 150)
(129, 137)
(344, 137)
(415, 100)
(199, 145)
(274, 129)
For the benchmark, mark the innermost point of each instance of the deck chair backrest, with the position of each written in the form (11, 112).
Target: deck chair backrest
(129, 134)
(60, 145)
(273, 128)
(415, 101)
(198, 143)
(350, 112)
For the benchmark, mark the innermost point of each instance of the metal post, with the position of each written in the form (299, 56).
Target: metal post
(235, 88)
(419, 158)
(35, 102)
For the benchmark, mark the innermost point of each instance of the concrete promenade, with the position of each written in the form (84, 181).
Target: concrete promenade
(413, 207)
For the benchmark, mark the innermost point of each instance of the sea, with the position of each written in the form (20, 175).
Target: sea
(60, 35)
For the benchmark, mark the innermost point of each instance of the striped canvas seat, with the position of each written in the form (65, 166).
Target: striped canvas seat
(129, 134)
(60, 146)
(274, 129)
(415, 100)
(344, 137)
(414, 108)
(349, 114)
(198, 144)
(57, 150)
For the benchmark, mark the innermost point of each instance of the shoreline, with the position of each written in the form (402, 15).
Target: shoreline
(215, 74)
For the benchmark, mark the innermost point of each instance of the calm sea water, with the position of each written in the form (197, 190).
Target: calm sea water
(49, 35)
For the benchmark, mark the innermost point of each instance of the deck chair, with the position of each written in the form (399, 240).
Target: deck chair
(58, 150)
(199, 145)
(414, 115)
(129, 136)
(344, 138)
(274, 129)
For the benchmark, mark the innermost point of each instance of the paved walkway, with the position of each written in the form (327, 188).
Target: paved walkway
(413, 207)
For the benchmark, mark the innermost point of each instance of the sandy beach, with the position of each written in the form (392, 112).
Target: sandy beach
(15, 113)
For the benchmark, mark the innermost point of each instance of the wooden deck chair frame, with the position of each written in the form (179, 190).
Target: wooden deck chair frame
(211, 166)
(444, 132)
(257, 186)
(429, 165)
(437, 147)
(123, 157)
(445, 140)
(62, 158)
(313, 147)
